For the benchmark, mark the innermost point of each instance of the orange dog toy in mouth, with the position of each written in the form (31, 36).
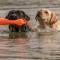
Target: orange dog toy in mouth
(20, 22)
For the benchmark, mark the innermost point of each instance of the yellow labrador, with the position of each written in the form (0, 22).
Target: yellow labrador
(47, 18)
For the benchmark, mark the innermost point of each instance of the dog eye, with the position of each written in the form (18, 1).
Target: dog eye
(46, 12)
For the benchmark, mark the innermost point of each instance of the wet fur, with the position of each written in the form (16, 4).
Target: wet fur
(16, 14)
(47, 18)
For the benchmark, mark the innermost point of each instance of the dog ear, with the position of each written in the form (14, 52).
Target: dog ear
(37, 15)
(25, 16)
(53, 19)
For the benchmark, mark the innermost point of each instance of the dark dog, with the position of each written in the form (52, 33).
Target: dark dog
(16, 14)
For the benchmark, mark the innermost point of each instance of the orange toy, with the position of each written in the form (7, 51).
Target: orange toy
(4, 21)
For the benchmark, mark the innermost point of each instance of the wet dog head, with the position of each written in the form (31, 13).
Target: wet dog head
(46, 17)
(16, 14)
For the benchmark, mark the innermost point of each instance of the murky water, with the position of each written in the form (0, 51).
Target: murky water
(30, 46)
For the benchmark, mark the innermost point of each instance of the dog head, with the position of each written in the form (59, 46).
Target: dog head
(45, 16)
(12, 15)
(15, 14)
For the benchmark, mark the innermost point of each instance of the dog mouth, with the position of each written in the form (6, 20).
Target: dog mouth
(13, 17)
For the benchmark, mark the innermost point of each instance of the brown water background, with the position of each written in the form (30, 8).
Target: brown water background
(32, 45)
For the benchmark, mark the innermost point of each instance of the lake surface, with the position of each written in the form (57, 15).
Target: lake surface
(30, 46)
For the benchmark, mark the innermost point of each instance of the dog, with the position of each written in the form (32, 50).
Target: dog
(47, 18)
(17, 14)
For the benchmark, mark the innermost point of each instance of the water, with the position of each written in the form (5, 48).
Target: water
(30, 46)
